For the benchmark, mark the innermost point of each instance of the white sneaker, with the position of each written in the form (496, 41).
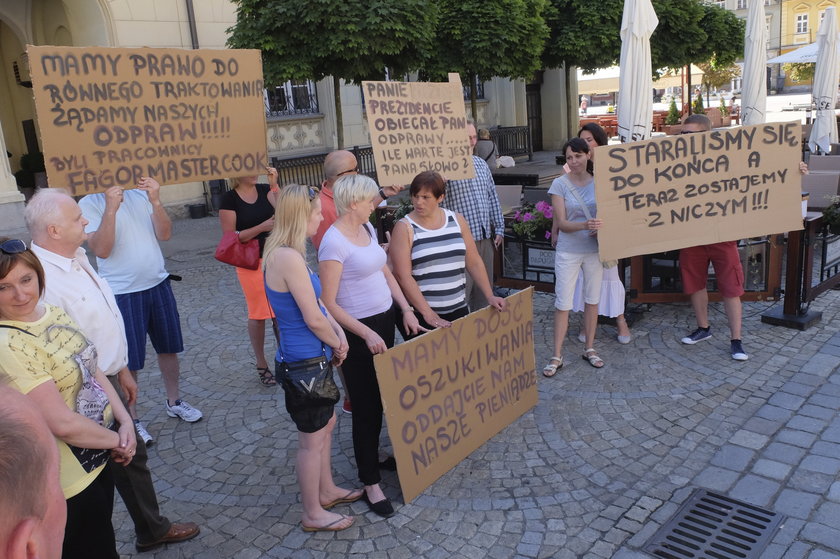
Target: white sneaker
(183, 410)
(142, 433)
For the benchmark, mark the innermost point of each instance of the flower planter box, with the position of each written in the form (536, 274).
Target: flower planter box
(526, 262)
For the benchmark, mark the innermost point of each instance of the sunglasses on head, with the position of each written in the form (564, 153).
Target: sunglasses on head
(348, 171)
(13, 246)
(313, 192)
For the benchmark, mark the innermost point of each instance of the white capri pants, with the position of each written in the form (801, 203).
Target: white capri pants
(567, 266)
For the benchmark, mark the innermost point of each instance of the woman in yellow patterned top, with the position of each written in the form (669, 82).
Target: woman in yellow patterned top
(45, 356)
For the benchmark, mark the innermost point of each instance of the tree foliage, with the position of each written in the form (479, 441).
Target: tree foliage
(353, 39)
(584, 33)
(481, 39)
(800, 71)
(692, 32)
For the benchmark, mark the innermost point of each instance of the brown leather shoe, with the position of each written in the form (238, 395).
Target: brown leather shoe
(178, 532)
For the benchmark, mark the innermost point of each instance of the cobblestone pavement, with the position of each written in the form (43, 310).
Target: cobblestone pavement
(593, 471)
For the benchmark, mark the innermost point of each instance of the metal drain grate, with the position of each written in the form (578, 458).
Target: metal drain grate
(712, 526)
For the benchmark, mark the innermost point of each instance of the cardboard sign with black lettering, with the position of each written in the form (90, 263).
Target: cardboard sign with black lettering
(448, 391)
(109, 116)
(694, 189)
(416, 127)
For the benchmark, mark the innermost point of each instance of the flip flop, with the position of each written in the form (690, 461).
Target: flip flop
(331, 527)
(349, 498)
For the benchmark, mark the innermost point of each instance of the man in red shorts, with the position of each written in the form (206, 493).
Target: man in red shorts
(694, 268)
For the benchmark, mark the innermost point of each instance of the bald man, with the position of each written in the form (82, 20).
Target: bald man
(337, 164)
(33, 511)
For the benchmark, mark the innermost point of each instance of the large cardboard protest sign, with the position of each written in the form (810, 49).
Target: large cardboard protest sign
(416, 127)
(109, 116)
(680, 191)
(448, 391)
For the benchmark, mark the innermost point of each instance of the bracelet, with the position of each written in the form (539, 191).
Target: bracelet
(382, 193)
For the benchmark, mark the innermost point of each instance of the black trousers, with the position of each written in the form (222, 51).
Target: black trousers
(360, 376)
(89, 532)
(134, 483)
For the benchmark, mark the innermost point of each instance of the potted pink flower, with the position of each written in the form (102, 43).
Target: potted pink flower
(533, 221)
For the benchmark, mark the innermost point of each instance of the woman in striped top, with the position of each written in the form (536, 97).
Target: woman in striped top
(430, 250)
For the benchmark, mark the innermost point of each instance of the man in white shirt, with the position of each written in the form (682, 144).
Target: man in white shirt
(57, 228)
(123, 231)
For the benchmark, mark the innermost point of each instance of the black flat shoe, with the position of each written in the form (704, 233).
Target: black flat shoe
(383, 508)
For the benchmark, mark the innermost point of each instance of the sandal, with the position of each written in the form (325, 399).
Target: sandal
(266, 378)
(551, 369)
(592, 356)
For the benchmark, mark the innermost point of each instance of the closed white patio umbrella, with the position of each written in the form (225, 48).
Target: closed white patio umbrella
(635, 89)
(824, 130)
(754, 98)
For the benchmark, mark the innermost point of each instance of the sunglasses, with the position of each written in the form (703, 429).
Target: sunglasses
(13, 246)
(348, 171)
(313, 192)
(689, 132)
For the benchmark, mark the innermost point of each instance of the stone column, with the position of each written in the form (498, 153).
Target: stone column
(11, 200)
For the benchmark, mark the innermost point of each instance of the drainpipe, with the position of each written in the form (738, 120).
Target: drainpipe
(191, 20)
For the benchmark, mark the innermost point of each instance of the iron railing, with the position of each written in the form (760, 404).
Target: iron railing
(513, 140)
(292, 98)
(309, 169)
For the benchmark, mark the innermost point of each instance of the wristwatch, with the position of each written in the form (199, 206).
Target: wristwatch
(382, 193)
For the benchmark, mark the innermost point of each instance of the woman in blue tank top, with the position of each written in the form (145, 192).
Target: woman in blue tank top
(308, 337)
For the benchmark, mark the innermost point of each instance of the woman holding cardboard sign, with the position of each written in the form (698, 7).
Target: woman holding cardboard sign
(573, 236)
(431, 250)
(363, 296)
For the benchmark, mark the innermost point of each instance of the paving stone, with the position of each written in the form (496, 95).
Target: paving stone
(771, 469)
(797, 504)
(755, 490)
(733, 457)
(590, 472)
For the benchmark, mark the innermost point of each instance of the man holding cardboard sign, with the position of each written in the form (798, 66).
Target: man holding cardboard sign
(123, 231)
(694, 269)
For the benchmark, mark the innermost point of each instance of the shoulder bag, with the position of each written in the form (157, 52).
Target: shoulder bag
(242, 255)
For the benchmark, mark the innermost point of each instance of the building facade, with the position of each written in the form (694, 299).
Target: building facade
(800, 21)
(300, 116)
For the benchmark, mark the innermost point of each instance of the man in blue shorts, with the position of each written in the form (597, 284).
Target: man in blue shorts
(123, 231)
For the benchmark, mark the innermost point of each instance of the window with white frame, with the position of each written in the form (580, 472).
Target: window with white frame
(291, 98)
(742, 4)
(801, 23)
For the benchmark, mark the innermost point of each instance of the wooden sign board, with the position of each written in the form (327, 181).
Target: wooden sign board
(416, 127)
(694, 189)
(447, 392)
(109, 116)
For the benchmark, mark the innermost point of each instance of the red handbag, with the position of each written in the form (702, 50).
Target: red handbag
(242, 255)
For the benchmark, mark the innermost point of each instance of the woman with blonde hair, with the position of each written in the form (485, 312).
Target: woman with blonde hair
(363, 296)
(248, 210)
(311, 343)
